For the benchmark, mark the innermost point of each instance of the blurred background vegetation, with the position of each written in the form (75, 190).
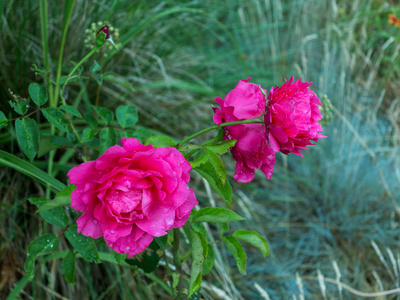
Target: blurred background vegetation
(334, 214)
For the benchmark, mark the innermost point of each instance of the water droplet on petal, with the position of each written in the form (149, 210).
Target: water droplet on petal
(94, 221)
(112, 231)
(128, 248)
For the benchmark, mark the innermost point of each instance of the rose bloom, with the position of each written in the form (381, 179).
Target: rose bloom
(131, 194)
(292, 117)
(251, 151)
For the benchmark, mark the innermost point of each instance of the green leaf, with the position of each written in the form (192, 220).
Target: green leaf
(55, 216)
(38, 93)
(30, 170)
(254, 239)
(99, 79)
(69, 267)
(62, 198)
(209, 263)
(201, 160)
(63, 79)
(223, 228)
(95, 67)
(127, 134)
(88, 134)
(221, 147)
(20, 106)
(216, 215)
(27, 132)
(208, 172)
(91, 120)
(83, 244)
(3, 120)
(237, 251)
(56, 117)
(44, 244)
(199, 227)
(108, 138)
(119, 257)
(160, 141)
(148, 259)
(217, 165)
(197, 262)
(71, 110)
(105, 114)
(162, 241)
(127, 115)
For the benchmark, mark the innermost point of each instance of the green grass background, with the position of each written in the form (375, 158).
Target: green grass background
(332, 215)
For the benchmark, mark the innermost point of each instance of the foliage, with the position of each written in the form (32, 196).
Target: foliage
(336, 203)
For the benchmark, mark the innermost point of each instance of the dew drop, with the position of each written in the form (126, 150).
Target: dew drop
(112, 231)
(128, 248)
(94, 222)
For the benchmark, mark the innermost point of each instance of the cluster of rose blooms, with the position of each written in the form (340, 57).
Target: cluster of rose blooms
(133, 193)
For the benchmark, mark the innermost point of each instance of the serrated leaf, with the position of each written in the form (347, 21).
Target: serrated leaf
(237, 251)
(71, 110)
(56, 117)
(254, 239)
(44, 244)
(127, 115)
(55, 216)
(201, 160)
(38, 93)
(160, 141)
(217, 165)
(83, 244)
(197, 262)
(221, 147)
(27, 132)
(3, 120)
(216, 215)
(105, 114)
(224, 191)
(108, 138)
(199, 227)
(209, 263)
(95, 67)
(69, 267)
(91, 120)
(61, 199)
(88, 134)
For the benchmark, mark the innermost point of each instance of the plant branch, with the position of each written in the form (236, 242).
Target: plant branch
(249, 121)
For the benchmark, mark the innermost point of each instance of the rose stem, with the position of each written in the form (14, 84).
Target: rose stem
(249, 121)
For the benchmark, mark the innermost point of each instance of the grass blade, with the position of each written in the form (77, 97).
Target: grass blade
(30, 170)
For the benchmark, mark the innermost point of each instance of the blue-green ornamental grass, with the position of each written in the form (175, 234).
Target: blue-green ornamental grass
(66, 102)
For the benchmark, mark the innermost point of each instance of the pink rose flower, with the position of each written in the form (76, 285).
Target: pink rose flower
(251, 151)
(131, 194)
(292, 117)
